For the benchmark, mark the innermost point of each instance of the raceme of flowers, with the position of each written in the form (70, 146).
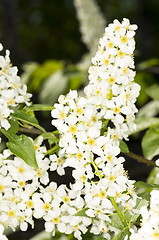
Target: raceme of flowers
(90, 128)
(12, 92)
(108, 105)
(92, 22)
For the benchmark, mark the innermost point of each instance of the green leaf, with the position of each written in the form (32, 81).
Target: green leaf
(116, 222)
(144, 79)
(82, 212)
(151, 109)
(38, 107)
(27, 118)
(75, 80)
(122, 234)
(53, 87)
(148, 63)
(152, 178)
(143, 123)
(150, 143)
(14, 126)
(123, 146)
(42, 72)
(50, 136)
(153, 91)
(23, 147)
(42, 236)
(139, 203)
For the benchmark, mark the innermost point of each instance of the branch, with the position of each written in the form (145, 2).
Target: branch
(141, 159)
(30, 130)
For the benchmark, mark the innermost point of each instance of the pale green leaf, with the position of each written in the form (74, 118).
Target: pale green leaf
(53, 87)
(153, 91)
(150, 143)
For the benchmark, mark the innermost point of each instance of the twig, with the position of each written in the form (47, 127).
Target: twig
(30, 130)
(141, 159)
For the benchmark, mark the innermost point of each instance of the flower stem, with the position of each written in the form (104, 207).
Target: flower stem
(95, 167)
(118, 211)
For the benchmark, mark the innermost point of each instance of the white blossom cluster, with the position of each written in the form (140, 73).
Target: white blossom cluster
(92, 22)
(150, 220)
(91, 127)
(12, 92)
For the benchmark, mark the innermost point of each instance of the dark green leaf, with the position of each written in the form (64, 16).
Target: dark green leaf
(123, 146)
(23, 147)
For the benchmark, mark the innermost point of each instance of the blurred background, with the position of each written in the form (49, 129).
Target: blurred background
(46, 45)
(37, 30)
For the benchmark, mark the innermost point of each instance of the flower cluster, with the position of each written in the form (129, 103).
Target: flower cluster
(150, 220)
(91, 127)
(12, 92)
(91, 27)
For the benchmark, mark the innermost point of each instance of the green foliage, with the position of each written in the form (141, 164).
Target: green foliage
(50, 137)
(22, 147)
(153, 91)
(27, 118)
(148, 63)
(122, 234)
(151, 109)
(144, 123)
(42, 72)
(75, 79)
(123, 147)
(53, 87)
(38, 107)
(82, 212)
(150, 143)
(152, 178)
(145, 80)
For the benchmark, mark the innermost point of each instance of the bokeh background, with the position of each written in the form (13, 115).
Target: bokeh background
(37, 30)
(43, 37)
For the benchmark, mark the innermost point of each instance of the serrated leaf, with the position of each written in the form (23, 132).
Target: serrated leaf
(82, 212)
(150, 144)
(23, 147)
(39, 107)
(27, 118)
(153, 91)
(123, 147)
